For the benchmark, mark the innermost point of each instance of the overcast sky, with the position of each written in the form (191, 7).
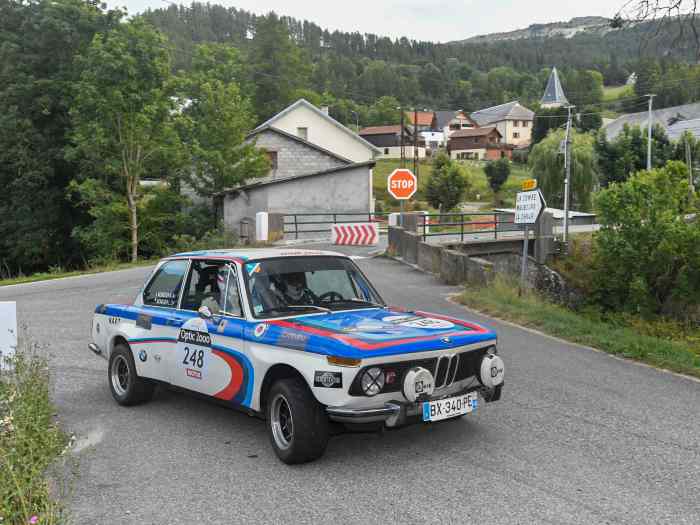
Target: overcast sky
(436, 20)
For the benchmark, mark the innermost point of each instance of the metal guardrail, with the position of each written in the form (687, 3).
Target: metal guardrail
(432, 224)
(297, 223)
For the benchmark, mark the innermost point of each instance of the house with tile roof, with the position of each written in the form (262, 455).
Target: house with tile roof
(452, 120)
(673, 120)
(478, 144)
(513, 121)
(388, 140)
(425, 119)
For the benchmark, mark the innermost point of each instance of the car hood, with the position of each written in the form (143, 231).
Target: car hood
(370, 332)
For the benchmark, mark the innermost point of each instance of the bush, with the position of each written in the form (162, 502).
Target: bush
(646, 256)
(30, 440)
(447, 183)
(497, 173)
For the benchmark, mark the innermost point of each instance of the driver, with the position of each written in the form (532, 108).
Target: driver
(295, 291)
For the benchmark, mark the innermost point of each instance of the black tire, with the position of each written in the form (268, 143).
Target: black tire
(307, 427)
(127, 387)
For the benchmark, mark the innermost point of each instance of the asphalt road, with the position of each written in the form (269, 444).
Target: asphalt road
(578, 437)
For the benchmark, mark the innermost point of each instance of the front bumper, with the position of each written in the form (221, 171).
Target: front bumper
(399, 413)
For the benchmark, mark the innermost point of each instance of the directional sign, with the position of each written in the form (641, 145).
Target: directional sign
(529, 206)
(529, 184)
(402, 184)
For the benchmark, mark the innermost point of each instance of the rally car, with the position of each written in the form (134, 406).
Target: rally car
(298, 337)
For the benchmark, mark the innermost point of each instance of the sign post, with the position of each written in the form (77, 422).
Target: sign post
(402, 185)
(8, 332)
(529, 206)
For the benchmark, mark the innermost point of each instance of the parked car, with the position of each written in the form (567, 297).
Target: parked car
(300, 338)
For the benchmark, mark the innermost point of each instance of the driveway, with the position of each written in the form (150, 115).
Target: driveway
(578, 437)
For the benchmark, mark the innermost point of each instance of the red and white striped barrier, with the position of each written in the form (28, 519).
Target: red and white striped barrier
(360, 234)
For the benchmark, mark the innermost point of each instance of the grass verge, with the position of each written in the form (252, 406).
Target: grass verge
(59, 274)
(30, 440)
(501, 300)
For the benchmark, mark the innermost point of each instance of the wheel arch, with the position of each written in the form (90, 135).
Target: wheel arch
(116, 340)
(275, 373)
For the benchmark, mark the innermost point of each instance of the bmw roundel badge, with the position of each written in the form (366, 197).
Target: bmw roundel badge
(143, 356)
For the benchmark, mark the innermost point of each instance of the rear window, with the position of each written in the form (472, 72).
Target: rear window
(164, 288)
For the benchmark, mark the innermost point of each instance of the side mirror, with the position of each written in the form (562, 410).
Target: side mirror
(205, 313)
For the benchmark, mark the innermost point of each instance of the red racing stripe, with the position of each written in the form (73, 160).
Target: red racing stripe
(236, 382)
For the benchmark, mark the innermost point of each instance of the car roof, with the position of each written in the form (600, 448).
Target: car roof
(246, 254)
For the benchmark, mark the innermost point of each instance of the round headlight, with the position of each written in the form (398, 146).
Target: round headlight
(372, 381)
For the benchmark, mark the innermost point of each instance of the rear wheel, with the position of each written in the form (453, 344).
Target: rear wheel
(296, 422)
(126, 386)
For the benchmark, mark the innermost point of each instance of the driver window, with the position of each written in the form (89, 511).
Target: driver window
(212, 284)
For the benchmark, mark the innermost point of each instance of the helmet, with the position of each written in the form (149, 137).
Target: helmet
(295, 283)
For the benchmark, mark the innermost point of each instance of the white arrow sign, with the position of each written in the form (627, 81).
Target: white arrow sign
(529, 206)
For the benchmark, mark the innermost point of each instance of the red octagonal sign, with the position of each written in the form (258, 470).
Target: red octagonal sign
(402, 184)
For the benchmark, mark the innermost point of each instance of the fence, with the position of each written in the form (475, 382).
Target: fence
(314, 223)
(433, 225)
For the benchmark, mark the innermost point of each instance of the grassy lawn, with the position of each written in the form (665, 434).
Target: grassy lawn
(30, 441)
(501, 300)
(611, 93)
(59, 273)
(479, 189)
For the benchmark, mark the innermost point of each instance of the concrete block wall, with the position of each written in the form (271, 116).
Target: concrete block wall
(295, 158)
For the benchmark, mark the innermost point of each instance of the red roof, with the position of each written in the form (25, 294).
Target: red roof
(381, 130)
(425, 118)
(474, 132)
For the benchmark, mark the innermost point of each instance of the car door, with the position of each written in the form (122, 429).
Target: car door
(208, 353)
(158, 320)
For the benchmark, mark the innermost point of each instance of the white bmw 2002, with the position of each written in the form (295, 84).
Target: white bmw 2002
(298, 337)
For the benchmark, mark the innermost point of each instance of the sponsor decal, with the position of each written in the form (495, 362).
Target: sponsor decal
(222, 326)
(415, 321)
(328, 379)
(421, 386)
(144, 321)
(495, 371)
(446, 340)
(293, 339)
(260, 330)
(194, 337)
(143, 356)
(114, 320)
(193, 349)
(195, 374)
(252, 268)
(165, 298)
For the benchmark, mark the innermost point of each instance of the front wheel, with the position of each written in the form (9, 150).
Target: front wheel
(296, 422)
(126, 386)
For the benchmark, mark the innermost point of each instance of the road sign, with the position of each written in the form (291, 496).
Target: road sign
(529, 184)
(529, 205)
(402, 184)
(8, 332)
(360, 234)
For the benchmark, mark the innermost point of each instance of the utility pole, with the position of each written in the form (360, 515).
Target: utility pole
(567, 177)
(403, 142)
(649, 125)
(689, 163)
(415, 142)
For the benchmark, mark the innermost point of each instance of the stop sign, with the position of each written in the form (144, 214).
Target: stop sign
(402, 184)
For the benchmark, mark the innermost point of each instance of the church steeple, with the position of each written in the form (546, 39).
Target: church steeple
(554, 96)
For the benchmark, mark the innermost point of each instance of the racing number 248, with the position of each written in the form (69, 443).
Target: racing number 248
(194, 357)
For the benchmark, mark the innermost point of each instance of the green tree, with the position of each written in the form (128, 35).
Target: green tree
(547, 120)
(384, 111)
(278, 67)
(447, 183)
(646, 257)
(38, 44)
(547, 165)
(123, 114)
(213, 123)
(497, 173)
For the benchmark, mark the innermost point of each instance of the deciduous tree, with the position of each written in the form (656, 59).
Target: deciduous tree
(447, 183)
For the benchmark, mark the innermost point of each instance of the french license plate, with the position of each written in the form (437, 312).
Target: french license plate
(450, 407)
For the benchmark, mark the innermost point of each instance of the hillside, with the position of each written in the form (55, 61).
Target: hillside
(592, 25)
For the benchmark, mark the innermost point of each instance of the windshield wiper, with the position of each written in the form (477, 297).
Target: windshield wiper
(362, 302)
(296, 307)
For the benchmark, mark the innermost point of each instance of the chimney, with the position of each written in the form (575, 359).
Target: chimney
(324, 109)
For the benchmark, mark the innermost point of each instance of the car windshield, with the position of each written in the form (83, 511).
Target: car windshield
(294, 285)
